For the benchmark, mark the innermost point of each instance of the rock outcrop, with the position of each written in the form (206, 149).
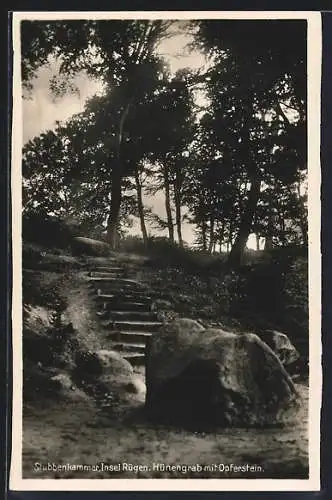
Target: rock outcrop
(89, 246)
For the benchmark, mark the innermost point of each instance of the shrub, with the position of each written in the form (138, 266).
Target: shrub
(47, 231)
(273, 295)
(132, 244)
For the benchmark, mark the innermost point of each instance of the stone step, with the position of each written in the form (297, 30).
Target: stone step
(148, 326)
(115, 315)
(115, 285)
(115, 289)
(137, 295)
(160, 294)
(133, 358)
(124, 303)
(118, 281)
(109, 274)
(155, 295)
(138, 348)
(93, 262)
(129, 337)
(129, 305)
(110, 269)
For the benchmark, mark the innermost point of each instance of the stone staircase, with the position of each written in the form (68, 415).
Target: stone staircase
(124, 307)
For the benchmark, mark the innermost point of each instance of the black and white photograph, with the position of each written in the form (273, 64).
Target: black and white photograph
(166, 251)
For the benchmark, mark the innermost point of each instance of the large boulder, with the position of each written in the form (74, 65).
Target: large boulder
(107, 366)
(107, 376)
(37, 339)
(36, 318)
(209, 376)
(282, 346)
(89, 246)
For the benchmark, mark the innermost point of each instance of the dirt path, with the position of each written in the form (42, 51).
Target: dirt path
(84, 435)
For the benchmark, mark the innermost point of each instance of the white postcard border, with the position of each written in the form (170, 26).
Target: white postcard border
(17, 483)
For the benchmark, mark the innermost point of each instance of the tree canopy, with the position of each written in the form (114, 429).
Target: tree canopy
(232, 166)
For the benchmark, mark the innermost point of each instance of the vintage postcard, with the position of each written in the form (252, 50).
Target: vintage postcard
(166, 303)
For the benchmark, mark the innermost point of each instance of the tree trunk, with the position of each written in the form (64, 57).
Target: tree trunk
(113, 219)
(177, 201)
(304, 230)
(257, 243)
(268, 243)
(303, 222)
(141, 207)
(211, 238)
(270, 231)
(221, 235)
(282, 230)
(204, 236)
(237, 252)
(168, 205)
(116, 188)
(230, 235)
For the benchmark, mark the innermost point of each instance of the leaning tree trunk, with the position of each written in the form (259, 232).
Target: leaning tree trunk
(237, 252)
(178, 218)
(168, 205)
(141, 207)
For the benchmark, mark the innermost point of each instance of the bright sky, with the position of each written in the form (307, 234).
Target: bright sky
(41, 111)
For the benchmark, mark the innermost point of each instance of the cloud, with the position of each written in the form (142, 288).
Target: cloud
(177, 53)
(42, 110)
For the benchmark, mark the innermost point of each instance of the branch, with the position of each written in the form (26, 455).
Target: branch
(122, 122)
(281, 113)
(288, 106)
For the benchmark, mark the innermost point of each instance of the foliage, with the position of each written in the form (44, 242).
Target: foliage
(50, 232)
(274, 294)
(252, 141)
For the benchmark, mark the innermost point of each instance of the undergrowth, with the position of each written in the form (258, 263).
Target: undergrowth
(269, 292)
